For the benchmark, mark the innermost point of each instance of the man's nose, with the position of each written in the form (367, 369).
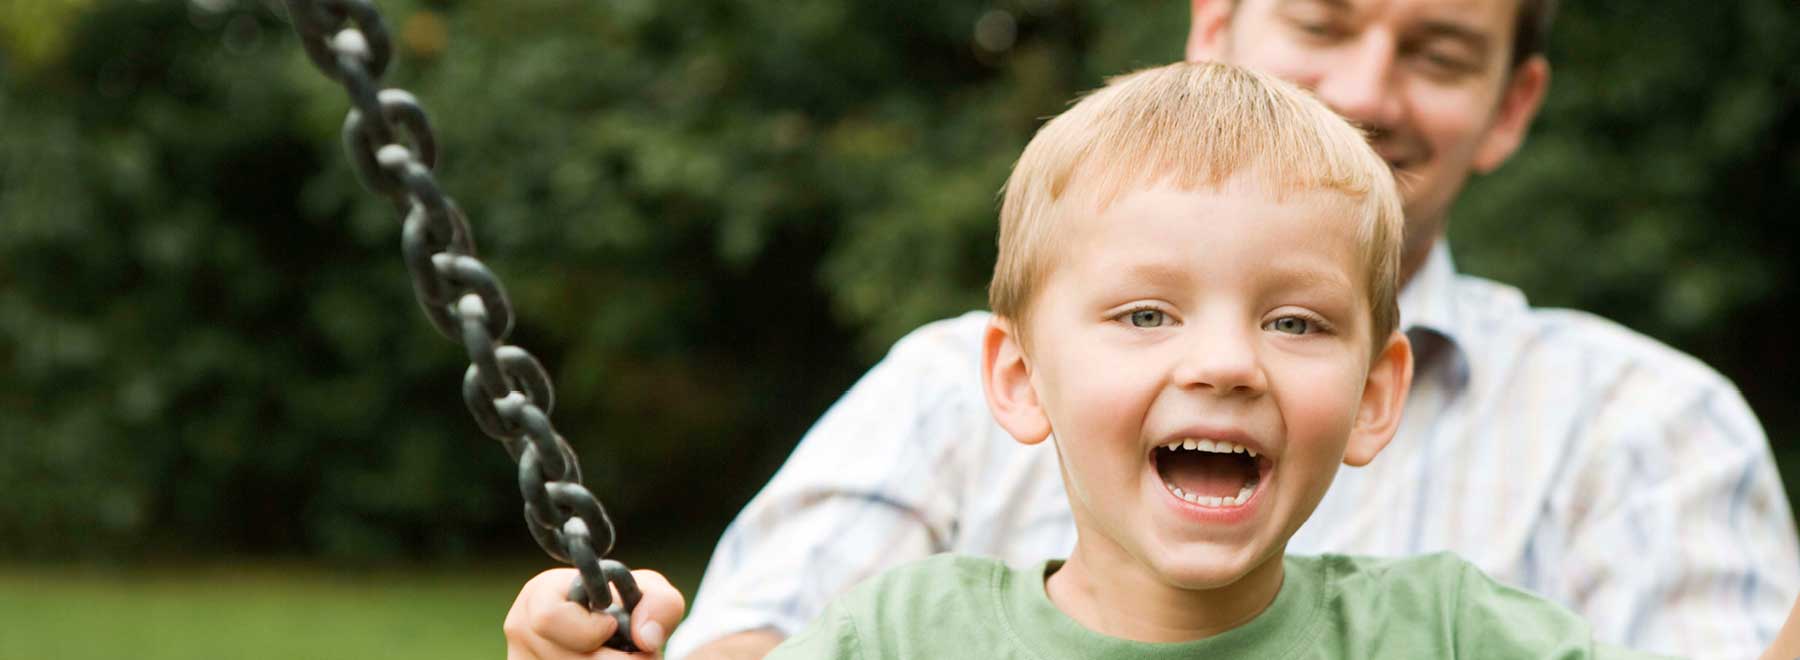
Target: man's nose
(1360, 83)
(1222, 363)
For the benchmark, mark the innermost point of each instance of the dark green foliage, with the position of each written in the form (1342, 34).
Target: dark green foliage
(1661, 188)
(711, 217)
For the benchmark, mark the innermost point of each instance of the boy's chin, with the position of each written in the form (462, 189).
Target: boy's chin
(1205, 569)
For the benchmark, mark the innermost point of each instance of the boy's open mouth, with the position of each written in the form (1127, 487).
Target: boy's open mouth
(1212, 473)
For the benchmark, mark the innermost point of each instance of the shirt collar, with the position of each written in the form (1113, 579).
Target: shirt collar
(1428, 312)
(1428, 301)
(1287, 626)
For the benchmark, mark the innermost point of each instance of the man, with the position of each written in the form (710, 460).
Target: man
(1553, 449)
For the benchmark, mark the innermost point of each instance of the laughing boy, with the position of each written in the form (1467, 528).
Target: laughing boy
(1195, 302)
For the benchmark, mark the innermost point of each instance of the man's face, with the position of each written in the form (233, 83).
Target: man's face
(1429, 79)
(1230, 324)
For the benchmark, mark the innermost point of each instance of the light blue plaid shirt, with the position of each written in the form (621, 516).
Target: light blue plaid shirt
(1556, 450)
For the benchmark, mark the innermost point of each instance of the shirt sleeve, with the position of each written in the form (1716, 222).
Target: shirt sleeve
(873, 484)
(1496, 621)
(1680, 536)
(830, 637)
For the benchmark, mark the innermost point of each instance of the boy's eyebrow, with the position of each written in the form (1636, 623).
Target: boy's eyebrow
(1160, 274)
(1164, 274)
(1301, 276)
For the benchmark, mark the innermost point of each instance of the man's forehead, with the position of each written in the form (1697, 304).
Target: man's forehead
(1488, 16)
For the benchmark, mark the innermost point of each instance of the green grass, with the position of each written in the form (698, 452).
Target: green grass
(262, 612)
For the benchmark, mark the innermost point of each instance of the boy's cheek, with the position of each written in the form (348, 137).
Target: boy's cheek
(1101, 406)
(1097, 400)
(1320, 412)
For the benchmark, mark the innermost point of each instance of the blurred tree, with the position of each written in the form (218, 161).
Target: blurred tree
(1659, 188)
(711, 218)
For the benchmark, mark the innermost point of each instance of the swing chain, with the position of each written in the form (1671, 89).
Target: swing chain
(393, 151)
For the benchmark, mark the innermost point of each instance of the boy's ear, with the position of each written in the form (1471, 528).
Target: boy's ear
(1384, 396)
(1207, 33)
(1006, 379)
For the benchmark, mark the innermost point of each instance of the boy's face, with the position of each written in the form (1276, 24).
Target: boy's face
(1209, 316)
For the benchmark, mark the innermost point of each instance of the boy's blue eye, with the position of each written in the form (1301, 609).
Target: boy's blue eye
(1148, 318)
(1292, 325)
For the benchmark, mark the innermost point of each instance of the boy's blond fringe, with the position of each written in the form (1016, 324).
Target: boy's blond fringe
(1193, 125)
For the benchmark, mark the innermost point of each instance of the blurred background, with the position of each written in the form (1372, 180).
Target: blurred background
(226, 429)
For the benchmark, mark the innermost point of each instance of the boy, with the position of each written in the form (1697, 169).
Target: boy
(1195, 296)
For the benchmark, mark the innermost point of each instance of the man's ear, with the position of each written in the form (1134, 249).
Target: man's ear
(1519, 104)
(1384, 395)
(1006, 379)
(1207, 33)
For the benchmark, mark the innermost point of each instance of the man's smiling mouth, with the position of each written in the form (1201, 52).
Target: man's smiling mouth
(1209, 473)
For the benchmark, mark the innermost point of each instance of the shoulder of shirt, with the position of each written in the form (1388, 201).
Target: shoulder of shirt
(1402, 586)
(937, 368)
(955, 340)
(910, 593)
(1338, 566)
(931, 571)
(1492, 310)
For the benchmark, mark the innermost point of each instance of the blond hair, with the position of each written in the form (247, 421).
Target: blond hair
(1195, 124)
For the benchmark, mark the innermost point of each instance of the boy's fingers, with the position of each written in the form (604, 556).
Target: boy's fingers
(565, 625)
(544, 625)
(658, 612)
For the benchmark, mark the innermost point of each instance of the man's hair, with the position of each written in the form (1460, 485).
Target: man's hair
(1192, 125)
(1531, 28)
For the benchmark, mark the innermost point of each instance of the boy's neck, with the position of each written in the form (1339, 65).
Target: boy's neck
(1111, 593)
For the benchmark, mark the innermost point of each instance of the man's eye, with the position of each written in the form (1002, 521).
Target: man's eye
(1316, 28)
(1443, 65)
(1292, 325)
(1149, 318)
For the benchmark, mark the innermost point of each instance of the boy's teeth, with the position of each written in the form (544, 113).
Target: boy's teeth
(1209, 445)
(1242, 496)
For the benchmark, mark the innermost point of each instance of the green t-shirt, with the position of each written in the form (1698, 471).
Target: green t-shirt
(1436, 606)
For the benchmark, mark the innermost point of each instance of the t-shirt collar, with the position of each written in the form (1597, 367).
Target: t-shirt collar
(1288, 623)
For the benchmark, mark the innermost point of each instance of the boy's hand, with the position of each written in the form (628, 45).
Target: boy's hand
(544, 625)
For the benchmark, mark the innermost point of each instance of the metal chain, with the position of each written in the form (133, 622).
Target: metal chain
(393, 152)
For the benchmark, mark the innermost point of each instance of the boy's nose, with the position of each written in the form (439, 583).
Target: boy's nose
(1223, 364)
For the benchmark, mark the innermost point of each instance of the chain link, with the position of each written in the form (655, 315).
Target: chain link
(393, 151)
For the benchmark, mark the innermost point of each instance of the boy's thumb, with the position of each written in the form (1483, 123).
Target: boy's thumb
(657, 613)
